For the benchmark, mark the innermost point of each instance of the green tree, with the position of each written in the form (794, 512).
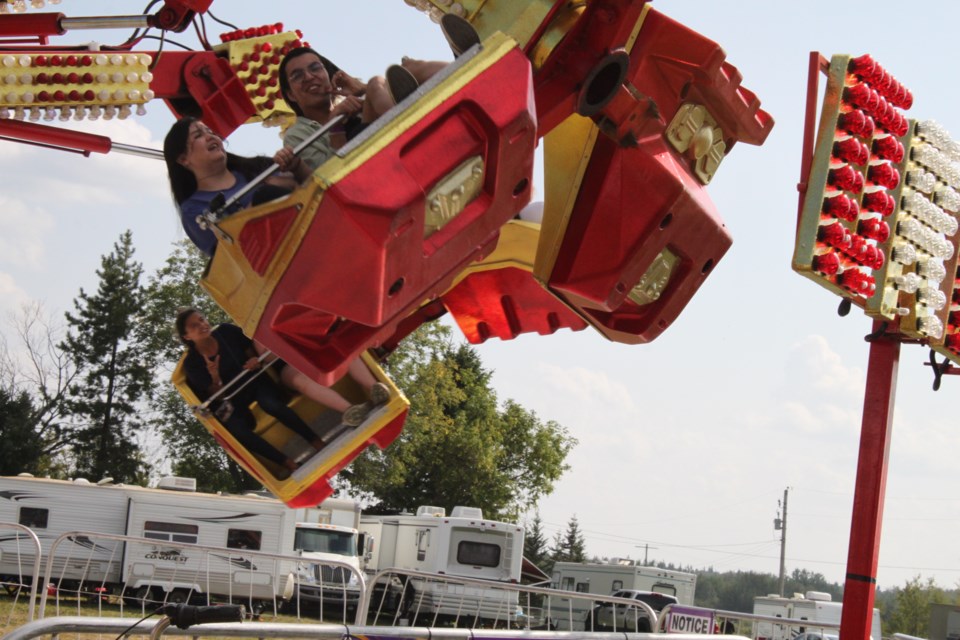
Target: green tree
(105, 399)
(570, 546)
(191, 450)
(20, 449)
(458, 447)
(911, 611)
(535, 547)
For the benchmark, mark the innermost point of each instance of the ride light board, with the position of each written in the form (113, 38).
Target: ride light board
(878, 223)
(74, 84)
(255, 54)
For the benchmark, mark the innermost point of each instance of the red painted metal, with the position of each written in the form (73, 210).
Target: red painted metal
(648, 202)
(504, 303)
(15, 25)
(818, 64)
(368, 228)
(637, 188)
(875, 436)
(67, 139)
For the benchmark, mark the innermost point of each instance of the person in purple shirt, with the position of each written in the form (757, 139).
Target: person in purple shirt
(200, 169)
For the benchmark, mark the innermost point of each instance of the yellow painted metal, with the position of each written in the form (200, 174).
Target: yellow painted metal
(516, 247)
(555, 32)
(518, 19)
(341, 441)
(452, 194)
(654, 282)
(230, 280)
(695, 131)
(567, 151)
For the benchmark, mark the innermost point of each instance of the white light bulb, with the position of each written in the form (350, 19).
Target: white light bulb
(100, 60)
(904, 254)
(26, 78)
(10, 78)
(908, 283)
(116, 59)
(25, 61)
(931, 326)
(933, 298)
(932, 270)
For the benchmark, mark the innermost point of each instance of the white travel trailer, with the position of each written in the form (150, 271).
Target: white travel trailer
(605, 578)
(801, 613)
(461, 545)
(175, 524)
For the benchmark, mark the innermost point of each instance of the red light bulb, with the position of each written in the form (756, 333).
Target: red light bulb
(862, 66)
(888, 148)
(851, 150)
(833, 234)
(842, 178)
(874, 228)
(884, 175)
(837, 206)
(826, 263)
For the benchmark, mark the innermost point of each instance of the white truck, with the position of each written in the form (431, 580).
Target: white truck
(461, 545)
(173, 519)
(327, 534)
(802, 612)
(603, 579)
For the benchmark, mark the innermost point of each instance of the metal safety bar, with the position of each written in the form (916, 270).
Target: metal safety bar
(114, 626)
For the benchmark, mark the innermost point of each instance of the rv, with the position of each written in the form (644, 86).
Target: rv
(172, 524)
(461, 545)
(811, 607)
(325, 534)
(603, 579)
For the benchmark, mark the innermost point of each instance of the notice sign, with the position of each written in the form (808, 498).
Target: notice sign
(689, 620)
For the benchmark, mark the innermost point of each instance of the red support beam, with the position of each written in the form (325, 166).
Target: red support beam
(867, 518)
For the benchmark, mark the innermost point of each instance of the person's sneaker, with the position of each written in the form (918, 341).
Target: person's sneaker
(379, 394)
(459, 33)
(400, 82)
(356, 414)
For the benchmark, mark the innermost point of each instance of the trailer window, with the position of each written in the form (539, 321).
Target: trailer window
(171, 531)
(662, 587)
(243, 539)
(478, 554)
(33, 517)
(567, 584)
(583, 587)
(617, 585)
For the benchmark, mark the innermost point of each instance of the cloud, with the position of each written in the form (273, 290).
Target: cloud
(589, 387)
(813, 360)
(11, 295)
(22, 232)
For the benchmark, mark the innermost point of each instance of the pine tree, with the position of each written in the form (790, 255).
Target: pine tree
(535, 544)
(20, 449)
(105, 399)
(570, 546)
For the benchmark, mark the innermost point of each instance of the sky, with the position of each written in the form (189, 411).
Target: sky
(686, 444)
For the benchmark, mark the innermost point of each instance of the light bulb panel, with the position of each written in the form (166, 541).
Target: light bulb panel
(926, 220)
(254, 55)
(75, 83)
(846, 225)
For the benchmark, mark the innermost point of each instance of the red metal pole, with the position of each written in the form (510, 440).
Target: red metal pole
(875, 431)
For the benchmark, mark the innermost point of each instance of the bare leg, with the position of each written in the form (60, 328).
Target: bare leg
(377, 99)
(361, 374)
(422, 70)
(313, 390)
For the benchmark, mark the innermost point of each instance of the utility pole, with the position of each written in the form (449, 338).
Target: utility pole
(646, 551)
(780, 524)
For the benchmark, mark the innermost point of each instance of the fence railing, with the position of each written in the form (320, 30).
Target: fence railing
(398, 597)
(14, 584)
(85, 571)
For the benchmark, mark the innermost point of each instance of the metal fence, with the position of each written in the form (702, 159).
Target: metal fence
(27, 564)
(87, 573)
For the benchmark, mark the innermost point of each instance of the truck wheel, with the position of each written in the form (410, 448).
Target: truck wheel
(178, 596)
